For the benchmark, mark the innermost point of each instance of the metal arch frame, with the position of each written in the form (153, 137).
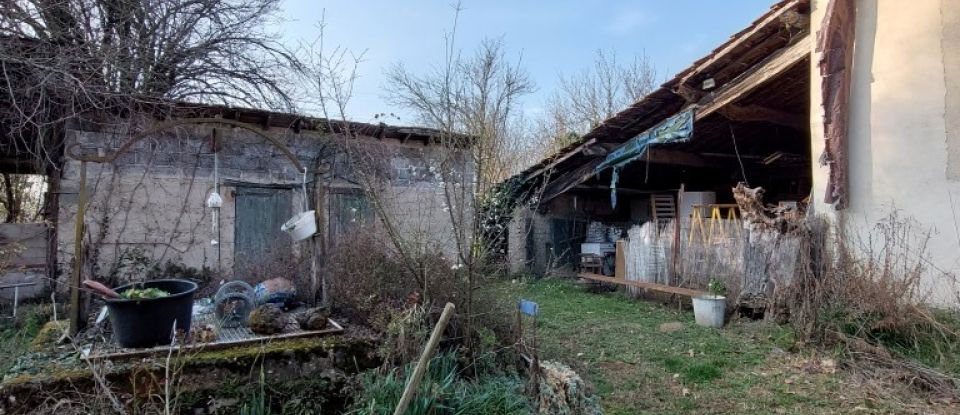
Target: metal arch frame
(109, 158)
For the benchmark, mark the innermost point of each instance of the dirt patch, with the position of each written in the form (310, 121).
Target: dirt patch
(671, 327)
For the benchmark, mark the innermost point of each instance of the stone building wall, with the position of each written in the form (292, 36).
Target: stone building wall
(149, 206)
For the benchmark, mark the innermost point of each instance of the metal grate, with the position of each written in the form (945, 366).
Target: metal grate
(226, 338)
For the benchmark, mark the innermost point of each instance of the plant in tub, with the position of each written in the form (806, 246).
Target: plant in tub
(710, 310)
(717, 287)
(150, 313)
(143, 294)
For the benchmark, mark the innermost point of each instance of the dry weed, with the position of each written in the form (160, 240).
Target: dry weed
(865, 296)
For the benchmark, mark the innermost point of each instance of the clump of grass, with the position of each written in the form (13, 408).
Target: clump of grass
(257, 403)
(702, 372)
(442, 390)
(16, 334)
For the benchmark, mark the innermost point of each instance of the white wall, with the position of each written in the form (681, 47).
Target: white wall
(898, 138)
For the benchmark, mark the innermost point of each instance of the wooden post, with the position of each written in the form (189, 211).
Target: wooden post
(620, 260)
(78, 252)
(414, 381)
(676, 240)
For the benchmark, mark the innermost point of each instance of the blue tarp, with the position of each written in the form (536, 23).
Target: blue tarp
(676, 129)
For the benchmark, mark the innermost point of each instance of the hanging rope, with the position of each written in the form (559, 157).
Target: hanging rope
(743, 171)
(303, 187)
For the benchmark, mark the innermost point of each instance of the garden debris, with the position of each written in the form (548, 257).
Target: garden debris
(671, 327)
(267, 319)
(205, 334)
(757, 216)
(563, 392)
(314, 318)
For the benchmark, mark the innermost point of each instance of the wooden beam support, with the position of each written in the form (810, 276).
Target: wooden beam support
(770, 68)
(740, 39)
(687, 292)
(675, 157)
(575, 177)
(760, 113)
(688, 93)
(560, 159)
(600, 149)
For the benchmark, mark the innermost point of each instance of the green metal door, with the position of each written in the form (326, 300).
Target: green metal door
(260, 212)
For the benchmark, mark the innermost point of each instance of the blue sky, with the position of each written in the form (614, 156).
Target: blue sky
(551, 37)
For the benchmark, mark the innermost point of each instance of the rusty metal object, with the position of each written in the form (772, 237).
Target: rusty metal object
(835, 43)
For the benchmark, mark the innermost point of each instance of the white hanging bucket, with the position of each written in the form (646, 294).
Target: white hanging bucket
(304, 224)
(301, 226)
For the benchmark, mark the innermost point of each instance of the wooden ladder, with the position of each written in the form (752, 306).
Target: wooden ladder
(664, 208)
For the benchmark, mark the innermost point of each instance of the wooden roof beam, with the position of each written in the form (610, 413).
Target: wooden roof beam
(760, 113)
(769, 69)
(741, 38)
(560, 159)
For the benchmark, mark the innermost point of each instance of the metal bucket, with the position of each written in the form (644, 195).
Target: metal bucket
(710, 310)
(302, 226)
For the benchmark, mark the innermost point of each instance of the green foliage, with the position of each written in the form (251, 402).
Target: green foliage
(442, 390)
(16, 334)
(717, 287)
(143, 293)
(702, 372)
(491, 396)
(257, 404)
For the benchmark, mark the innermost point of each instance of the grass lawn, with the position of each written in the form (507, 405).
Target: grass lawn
(617, 345)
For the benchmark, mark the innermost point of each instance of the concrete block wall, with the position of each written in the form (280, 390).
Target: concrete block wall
(529, 226)
(152, 199)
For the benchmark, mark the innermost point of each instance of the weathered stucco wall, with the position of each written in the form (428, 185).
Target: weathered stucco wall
(904, 141)
(150, 205)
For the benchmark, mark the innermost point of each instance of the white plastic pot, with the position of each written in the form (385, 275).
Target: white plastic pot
(302, 226)
(710, 310)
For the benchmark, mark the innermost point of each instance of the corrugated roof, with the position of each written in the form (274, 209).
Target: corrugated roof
(766, 34)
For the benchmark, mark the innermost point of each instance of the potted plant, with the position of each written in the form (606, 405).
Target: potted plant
(147, 314)
(709, 310)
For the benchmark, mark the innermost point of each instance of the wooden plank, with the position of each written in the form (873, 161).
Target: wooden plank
(620, 265)
(560, 159)
(688, 292)
(770, 68)
(759, 113)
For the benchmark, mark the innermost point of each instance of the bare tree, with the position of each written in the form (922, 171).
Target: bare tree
(20, 197)
(587, 98)
(65, 59)
(477, 96)
(472, 103)
(473, 98)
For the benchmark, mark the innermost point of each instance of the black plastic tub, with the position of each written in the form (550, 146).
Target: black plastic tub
(148, 323)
